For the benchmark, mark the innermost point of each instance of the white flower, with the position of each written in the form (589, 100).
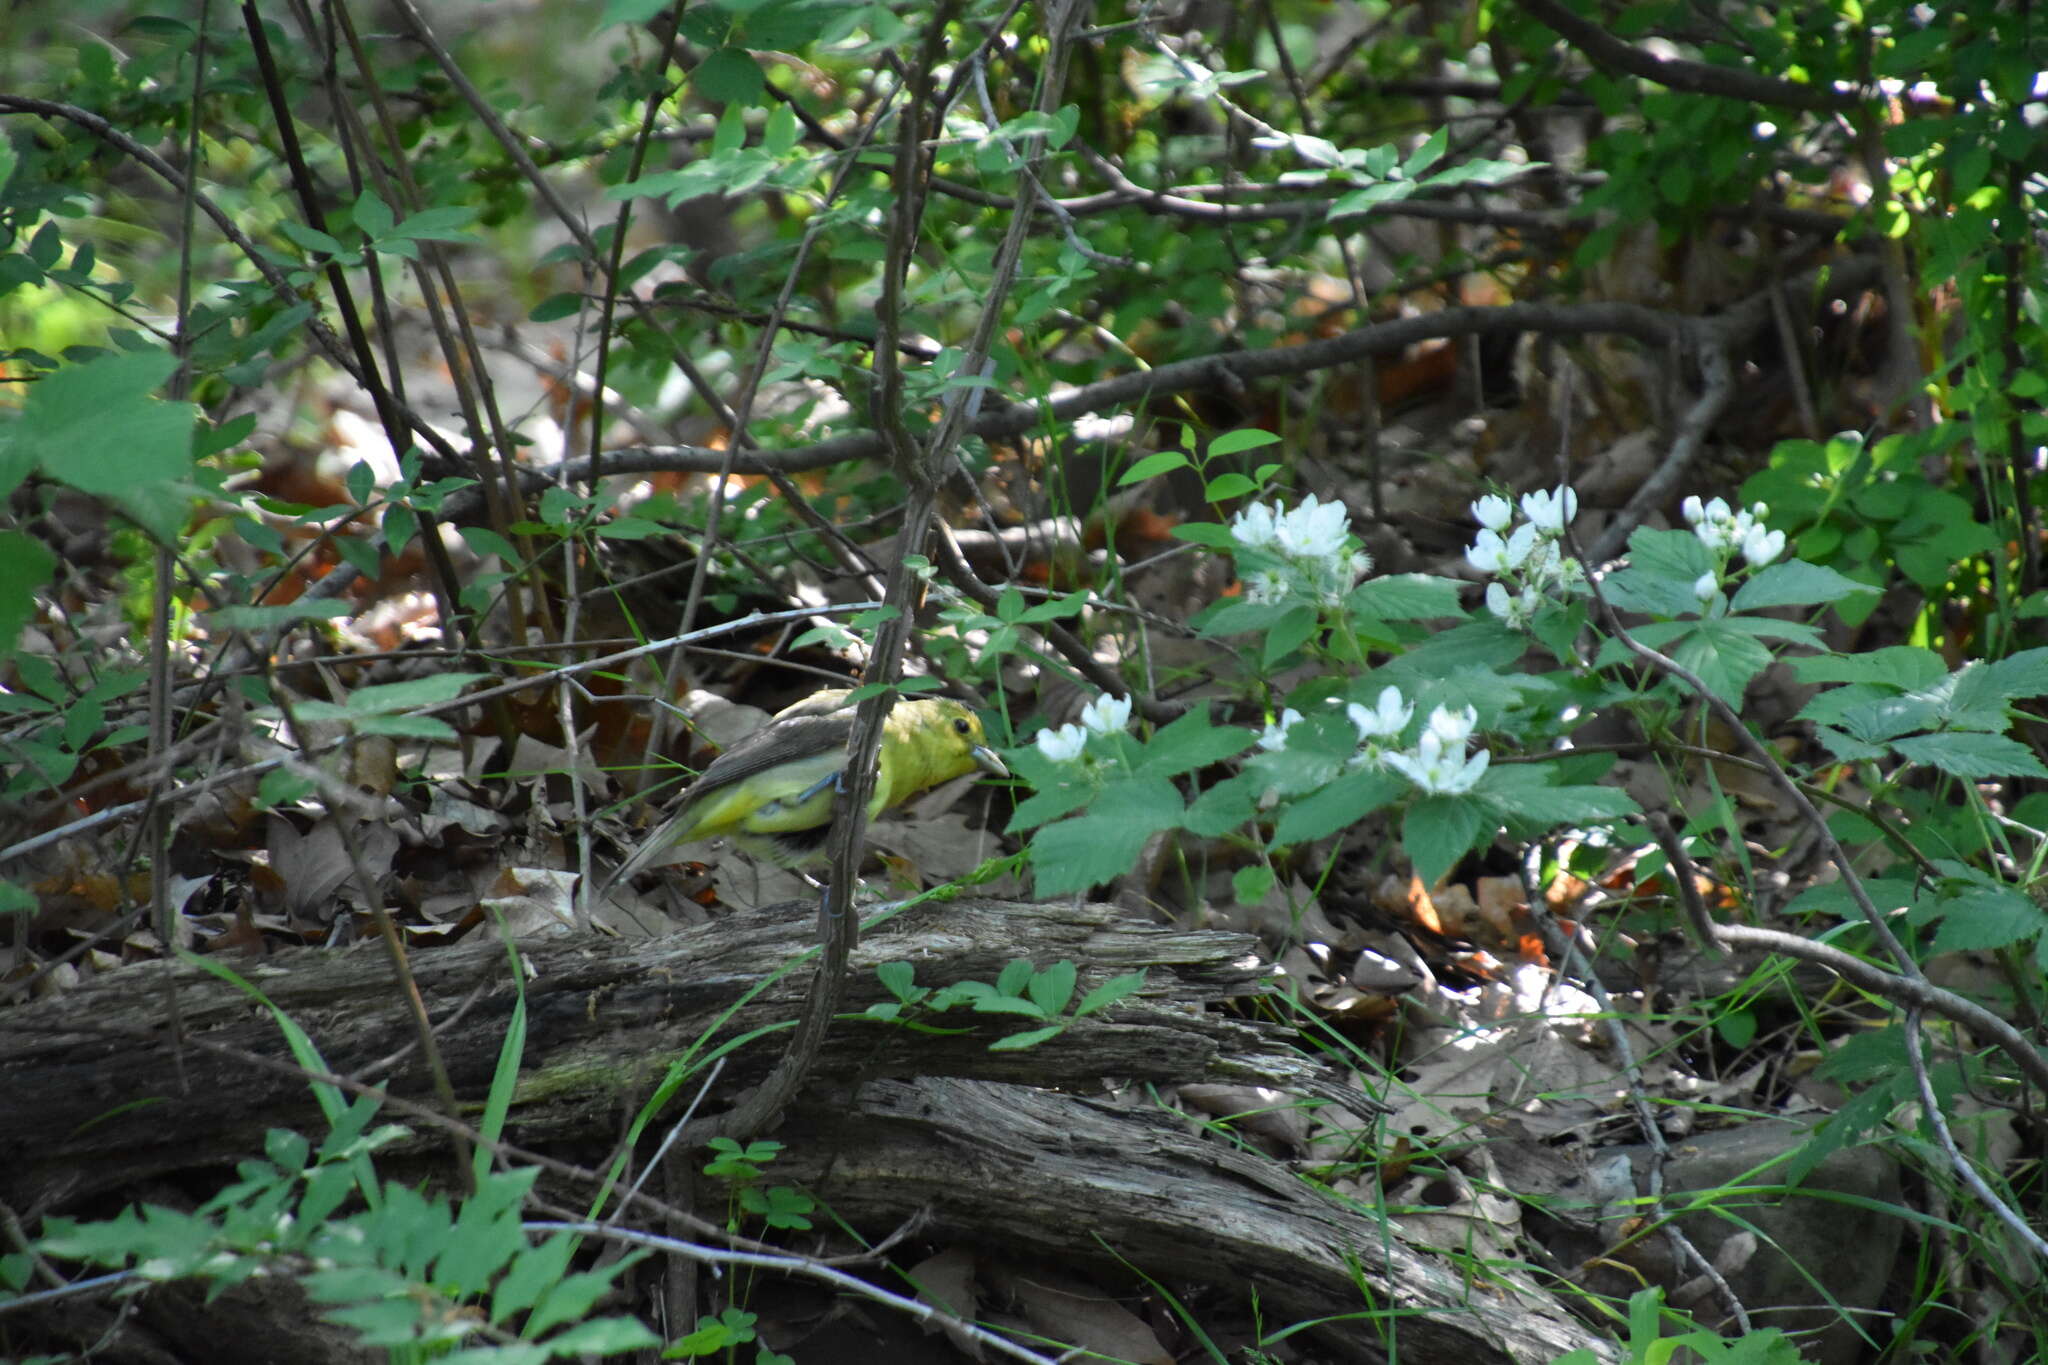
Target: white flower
(1549, 510)
(1266, 585)
(1717, 511)
(1314, 530)
(1275, 736)
(1489, 553)
(1493, 512)
(1706, 585)
(1107, 715)
(1254, 527)
(1383, 721)
(1692, 510)
(1514, 609)
(1452, 727)
(1438, 768)
(1762, 545)
(1521, 545)
(1063, 745)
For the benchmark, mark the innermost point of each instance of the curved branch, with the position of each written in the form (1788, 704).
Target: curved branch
(1697, 78)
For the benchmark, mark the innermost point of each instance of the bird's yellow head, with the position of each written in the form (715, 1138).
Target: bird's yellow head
(934, 740)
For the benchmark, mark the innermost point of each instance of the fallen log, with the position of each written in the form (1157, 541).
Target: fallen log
(996, 1145)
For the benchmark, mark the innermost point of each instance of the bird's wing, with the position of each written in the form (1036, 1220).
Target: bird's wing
(805, 753)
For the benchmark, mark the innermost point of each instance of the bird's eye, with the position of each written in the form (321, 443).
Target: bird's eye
(960, 726)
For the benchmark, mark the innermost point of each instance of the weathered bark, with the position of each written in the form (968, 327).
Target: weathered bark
(93, 1098)
(1040, 1173)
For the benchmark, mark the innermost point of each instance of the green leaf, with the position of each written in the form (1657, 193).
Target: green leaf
(1215, 535)
(1405, 597)
(1052, 988)
(1794, 583)
(1988, 918)
(1290, 632)
(1439, 830)
(898, 978)
(1236, 615)
(97, 428)
(1428, 154)
(270, 618)
(1076, 854)
(25, 566)
(1723, 656)
(1339, 805)
(1189, 743)
(1017, 1042)
(1234, 442)
(1371, 197)
(729, 75)
(1662, 567)
(1971, 754)
(2021, 676)
(1153, 465)
(403, 696)
(1901, 667)
(1222, 808)
(406, 727)
(444, 224)
(1110, 992)
(1482, 644)
(602, 1336)
(1523, 792)
(1249, 885)
(372, 214)
(556, 306)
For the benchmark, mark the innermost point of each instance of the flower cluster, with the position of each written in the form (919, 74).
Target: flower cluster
(1438, 762)
(1528, 561)
(1106, 715)
(1724, 531)
(1306, 552)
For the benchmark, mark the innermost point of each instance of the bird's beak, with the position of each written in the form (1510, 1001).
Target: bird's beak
(986, 758)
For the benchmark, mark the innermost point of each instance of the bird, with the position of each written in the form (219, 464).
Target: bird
(773, 792)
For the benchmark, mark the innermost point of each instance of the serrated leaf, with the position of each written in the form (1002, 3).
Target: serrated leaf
(1971, 754)
(1103, 844)
(2021, 676)
(1290, 632)
(1406, 597)
(1189, 743)
(1988, 918)
(1221, 809)
(1339, 805)
(1439, 830)
(1794, 583)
